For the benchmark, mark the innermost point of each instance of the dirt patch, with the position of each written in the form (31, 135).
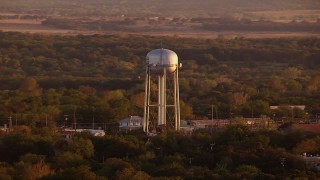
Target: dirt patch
(18, 21)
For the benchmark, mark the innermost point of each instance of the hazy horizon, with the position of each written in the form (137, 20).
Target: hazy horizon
(174, 7)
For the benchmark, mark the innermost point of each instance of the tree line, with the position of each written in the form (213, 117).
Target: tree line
(103, 76)
(47, 78)
(232, 153)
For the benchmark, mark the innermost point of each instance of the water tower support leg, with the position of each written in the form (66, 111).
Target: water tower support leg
(146, 102)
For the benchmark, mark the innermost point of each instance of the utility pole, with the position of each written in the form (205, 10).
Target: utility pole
(216, 109)
(251, 112)
(211, 118)
(75, 120)
(16, 119)
(10, 123)
(93, 122)
(66, 119)
(212, 112)
(282, 161)
(46, 120)
(292, 116)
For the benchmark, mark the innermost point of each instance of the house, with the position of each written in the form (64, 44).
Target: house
(131, 123)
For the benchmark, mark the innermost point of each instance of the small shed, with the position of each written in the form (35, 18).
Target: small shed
(131, 123)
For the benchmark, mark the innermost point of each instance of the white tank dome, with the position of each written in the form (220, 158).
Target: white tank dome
(159, 59)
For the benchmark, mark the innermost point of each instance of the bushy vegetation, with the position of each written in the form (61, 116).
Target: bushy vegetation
(102, 77)
(47, 79)
(161, 24)
(231, 153)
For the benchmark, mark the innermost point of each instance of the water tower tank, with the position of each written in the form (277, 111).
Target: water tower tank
(162, 65)
(159, 59)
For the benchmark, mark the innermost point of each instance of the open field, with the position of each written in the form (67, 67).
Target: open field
(261, 24)
(286, 16)
(230, 35)
(32, 26)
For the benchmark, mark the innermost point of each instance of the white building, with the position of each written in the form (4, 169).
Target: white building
(312, 162)
(203, 124)
(301, 107)
(131, 123)
(68, 133)
(4, 128)
(186, 126)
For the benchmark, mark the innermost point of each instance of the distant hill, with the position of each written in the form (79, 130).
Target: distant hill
(156, 7)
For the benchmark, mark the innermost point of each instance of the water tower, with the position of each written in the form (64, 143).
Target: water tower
(161, 65)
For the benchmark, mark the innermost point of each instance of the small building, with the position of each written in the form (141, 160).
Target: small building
(253, 123)
(95, 132)
(186, 126)
(207, 124)
(301, 107)
(131, 123)
(68, 133)
(312, 162)
(4, 128)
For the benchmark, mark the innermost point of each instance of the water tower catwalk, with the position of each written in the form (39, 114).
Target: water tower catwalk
(163, 65)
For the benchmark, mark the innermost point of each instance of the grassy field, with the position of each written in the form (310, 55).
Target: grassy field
(35, 26)
(38, 28)
(286, 16)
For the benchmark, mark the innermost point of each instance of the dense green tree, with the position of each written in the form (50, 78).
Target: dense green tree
(81, 172)
(310, 146)
(67, 159)
(32, 166)
(247, 171)
(30, 86)
(81, 146)
(112, 166)
(130, 173)
(46, 79)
